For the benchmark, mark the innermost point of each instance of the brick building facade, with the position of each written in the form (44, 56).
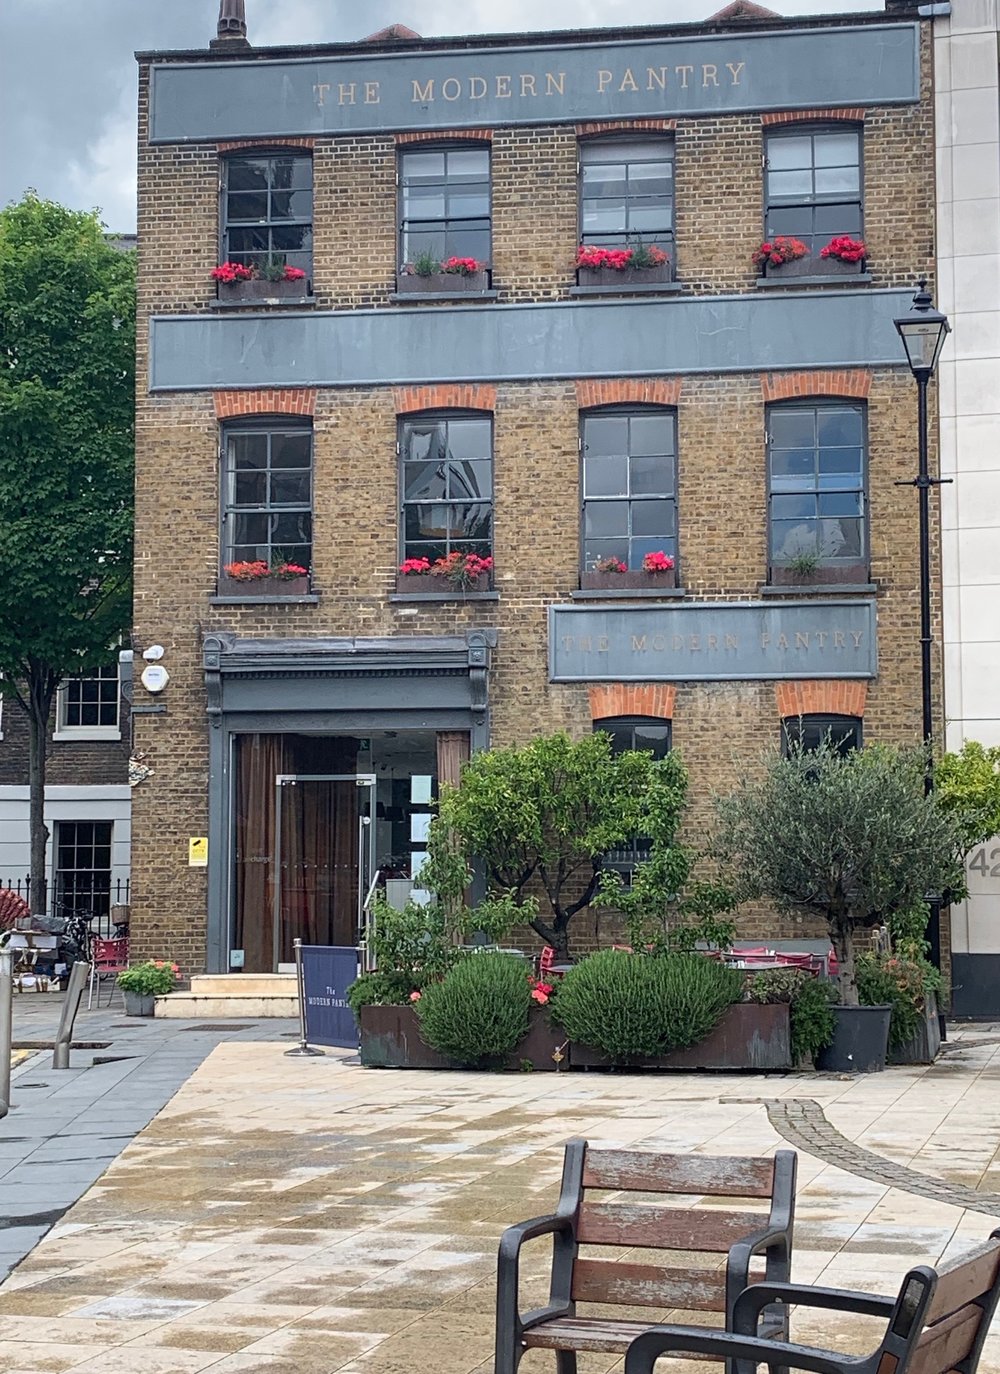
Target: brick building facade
(752, 425)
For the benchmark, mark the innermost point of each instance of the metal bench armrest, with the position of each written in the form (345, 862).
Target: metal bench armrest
(757, 1296)
(678, 1340)
(511, 1325)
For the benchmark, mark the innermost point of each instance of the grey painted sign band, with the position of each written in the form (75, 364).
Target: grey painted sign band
(871, 64)
(712, 641)
(755, 332)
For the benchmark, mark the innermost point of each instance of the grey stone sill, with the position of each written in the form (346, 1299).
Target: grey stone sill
(628, 593)
(401, 297)
(822, 589)
(405, 598)
(285, 303)
(312, 599)
(653, 288)
(804, 283)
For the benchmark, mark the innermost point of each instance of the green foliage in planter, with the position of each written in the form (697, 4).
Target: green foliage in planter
(380, 990)
(154, 978)
(903, 984)
(633, 1006)
(809, 1000)
(479, 1011)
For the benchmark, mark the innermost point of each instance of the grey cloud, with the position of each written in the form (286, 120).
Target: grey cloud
(67, 84)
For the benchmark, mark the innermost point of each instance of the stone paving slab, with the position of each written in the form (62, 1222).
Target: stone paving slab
(312, 1217)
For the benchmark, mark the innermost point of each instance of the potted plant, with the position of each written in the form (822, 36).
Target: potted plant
(808, 569)
(621, 268)
(463, 572)
(258, 578)
(783, 256)
(611, 574)
(143, 983)
(272, 280)
(844, 255)
(850, 839)
(429, 274)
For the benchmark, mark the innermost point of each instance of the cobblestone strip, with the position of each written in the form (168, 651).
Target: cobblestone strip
(803, 1123)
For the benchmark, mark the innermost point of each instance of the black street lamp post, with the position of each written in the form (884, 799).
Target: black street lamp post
(923, 332)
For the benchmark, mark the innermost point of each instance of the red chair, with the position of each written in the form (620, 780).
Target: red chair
(108, 958)
(547, 966)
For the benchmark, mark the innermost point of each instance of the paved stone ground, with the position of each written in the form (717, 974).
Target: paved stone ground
(289, 1216)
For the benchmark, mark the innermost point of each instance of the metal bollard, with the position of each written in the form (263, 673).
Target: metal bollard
(6, 1036)
(303, 1047)
(78, 976)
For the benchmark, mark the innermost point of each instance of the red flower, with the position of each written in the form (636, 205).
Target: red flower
(778, 250)
(232, 271)
(414, 565)
(610, 565)
(845, 249)
(294, 274)
(464, 267)
(657, 562)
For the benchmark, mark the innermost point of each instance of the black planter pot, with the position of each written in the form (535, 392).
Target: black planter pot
(860, 1041)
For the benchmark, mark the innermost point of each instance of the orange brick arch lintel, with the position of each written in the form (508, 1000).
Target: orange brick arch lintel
(855, 382)
(655, 699)
(851, 113)
(259, 144)
(608, 126)
(445, 396)
(821, 697)
(660, 391)
(288, 401)
(442, 135)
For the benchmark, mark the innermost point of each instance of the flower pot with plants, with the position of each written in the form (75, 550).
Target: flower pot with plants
(143, 983)
(844, 256)
(809, 570)
(622, 269)
(264, 282)
(454, 575)
(784, 256)
(850, 838)
(612, 574)
(454, 275)
(257, 578)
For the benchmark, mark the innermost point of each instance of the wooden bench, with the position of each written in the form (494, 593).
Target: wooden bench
(936, 1324)
(628, 1224)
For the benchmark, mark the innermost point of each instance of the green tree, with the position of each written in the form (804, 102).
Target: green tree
(967, 785)
(539, 818)
(67, 386)
(850, 838)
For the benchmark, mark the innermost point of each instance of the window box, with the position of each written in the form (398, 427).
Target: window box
(847, 574)
(814, 266)
(443, 283)
(417, 584)
(264, 586)
(264, 292)
(627, 581)
(610, 279)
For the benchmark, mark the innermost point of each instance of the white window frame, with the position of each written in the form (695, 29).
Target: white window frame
(86, 732)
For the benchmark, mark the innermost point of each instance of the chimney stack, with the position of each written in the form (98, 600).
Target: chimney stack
(232, 27)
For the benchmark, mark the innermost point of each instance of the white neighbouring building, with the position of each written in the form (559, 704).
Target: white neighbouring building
(967, 82)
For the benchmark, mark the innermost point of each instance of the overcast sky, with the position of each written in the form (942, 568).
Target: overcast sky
(68, 76)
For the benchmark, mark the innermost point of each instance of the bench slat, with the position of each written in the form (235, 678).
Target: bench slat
(945, 1345)
(664, 1228)
(649, 1285)
(588, 1333)
(644, 1171)
(969, 1277)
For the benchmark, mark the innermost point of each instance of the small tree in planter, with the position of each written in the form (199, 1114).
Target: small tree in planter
(143, 983)
(850, 838)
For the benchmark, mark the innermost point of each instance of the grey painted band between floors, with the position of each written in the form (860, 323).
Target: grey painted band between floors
(750, 332)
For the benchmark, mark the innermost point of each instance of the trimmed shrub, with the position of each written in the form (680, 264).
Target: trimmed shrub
(479, 1011)
(809, 1000)
(888, 980)
(380, 990)
(632, 1006)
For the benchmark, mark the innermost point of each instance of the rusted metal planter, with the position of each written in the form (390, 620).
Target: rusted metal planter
(627, 581)
(390, 1039)
(419, 584)
(825, 574)
(812, 265)
(443, 283)
(749, 1036)
(926, 1044)
(626, 278)
(264, 586)
(263, 292)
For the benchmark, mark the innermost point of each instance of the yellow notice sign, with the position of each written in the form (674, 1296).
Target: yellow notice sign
(198, 851)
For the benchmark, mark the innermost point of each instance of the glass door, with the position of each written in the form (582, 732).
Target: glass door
(324, 849)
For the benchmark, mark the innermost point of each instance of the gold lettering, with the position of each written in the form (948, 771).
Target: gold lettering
(603, 80)
(602, 644)
(685, 71)
(628, 81)
(555, 83)
(583, 644)
(321, 90)
(527, 86)
(567, 642)
(708, 68)
(474, 83)
(857, 636)
(838, 639)
(801, 639)
(732, 642)
(423, 92)
(658, 80)
(503, 91)
(371, 93)
(659, 643)
(678, 643)
(638, 644)
(346, 92)
(736, 68)
(694, 644)
(713, 641)
(453, 84)
(782, 641)
(765, 640)
(821, 638)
